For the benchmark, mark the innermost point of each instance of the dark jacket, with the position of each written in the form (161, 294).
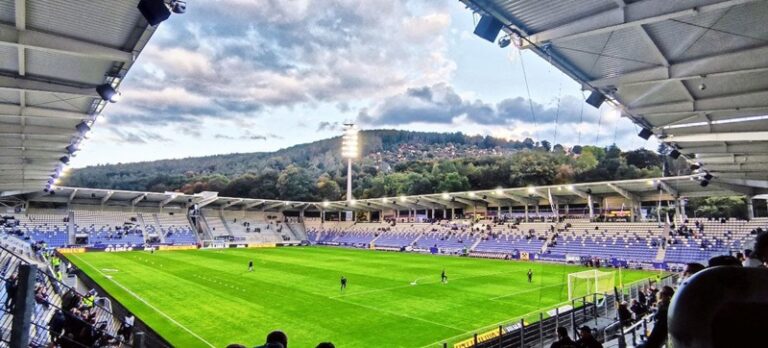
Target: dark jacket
(658, 335)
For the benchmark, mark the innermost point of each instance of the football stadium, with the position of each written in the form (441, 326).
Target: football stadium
(418, 236)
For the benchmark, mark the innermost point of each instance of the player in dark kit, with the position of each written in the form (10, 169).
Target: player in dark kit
(250, 266)
(530, 275)
(343, 283)
(443, 278)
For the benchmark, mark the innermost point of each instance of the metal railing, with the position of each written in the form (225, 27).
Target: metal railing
(595, 310)
(44, 310)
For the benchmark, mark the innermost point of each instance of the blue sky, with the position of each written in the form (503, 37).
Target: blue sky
(243, 76)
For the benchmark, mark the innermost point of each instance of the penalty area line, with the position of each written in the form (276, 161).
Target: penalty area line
(148, 304)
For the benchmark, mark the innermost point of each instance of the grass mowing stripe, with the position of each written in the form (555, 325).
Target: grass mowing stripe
(291, 289)
(147, 303)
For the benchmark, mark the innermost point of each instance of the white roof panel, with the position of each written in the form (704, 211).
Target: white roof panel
(679, 68)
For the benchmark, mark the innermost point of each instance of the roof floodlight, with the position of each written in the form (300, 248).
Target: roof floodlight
(108, 93)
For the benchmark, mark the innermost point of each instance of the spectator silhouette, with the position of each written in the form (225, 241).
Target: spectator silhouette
(724, 260)
(759, 253)
(625, 316)
(658, 336)
(276, 339)
(587, 340)
(326, 345)
(563, 340)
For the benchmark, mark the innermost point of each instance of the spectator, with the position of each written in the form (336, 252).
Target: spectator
(638, 309)
(11, 285)
(276, 339)
(56, 325)
(563, 340)
(690, 269)
(326, 345)
(759, 253)
(625, 316)
(587, 340)
(724, 260)
(658, 336)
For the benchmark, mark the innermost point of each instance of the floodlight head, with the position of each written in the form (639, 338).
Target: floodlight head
(326, 203)
(82, 128)
(704, 183)
(499, 191)
(674, 154)
(64, 159)
(504, 41)
(696, 166)
(71, 148)
(708, 176)
(349, 143)
(178, 6)
(651, 182)
(352, 202)
(108, 93)
(384, 200)
(570, 187)
(531, 190)
(446, 195)
(402, 198)
(472, 194)
(154, 11)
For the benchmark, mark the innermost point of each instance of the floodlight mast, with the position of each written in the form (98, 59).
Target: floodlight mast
(349, 150)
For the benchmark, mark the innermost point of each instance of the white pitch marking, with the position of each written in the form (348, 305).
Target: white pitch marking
(149, 305)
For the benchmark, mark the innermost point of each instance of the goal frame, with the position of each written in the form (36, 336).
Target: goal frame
(593, 277)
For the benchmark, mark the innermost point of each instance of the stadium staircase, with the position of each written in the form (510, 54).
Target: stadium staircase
(71, 227)
(201, 227)
(224, 222)
(661, 254)
(474, 245)
(140, 220)
(156, 222)
(297, 230)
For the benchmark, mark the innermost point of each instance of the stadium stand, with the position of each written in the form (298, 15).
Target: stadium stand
(108, 227)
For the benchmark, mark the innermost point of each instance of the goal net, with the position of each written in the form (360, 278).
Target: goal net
(590, 282)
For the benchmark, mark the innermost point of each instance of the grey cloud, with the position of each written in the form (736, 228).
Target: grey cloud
(223, 136)
(299, 52)
(138, 137)
(440, 104)
(328, 126)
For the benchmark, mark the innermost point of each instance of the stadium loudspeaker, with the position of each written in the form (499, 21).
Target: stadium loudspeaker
(645, 133)
(704, 183)
(64, 159)
(708, 176)
(488, 28)
(695, 166)
(71, 148)
(154, 11)
(82, 128)
(674, 154)
(596, 99)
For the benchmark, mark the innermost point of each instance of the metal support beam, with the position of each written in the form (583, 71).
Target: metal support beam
(107, 197)
(624, 193)
(632, 15)
(29, 85)
(72, 196)
(40, 41)
(719, 137)
(256, 204)
(232, 202)
(24, 306)
(138, 199)
(669, 189)
(170, 198)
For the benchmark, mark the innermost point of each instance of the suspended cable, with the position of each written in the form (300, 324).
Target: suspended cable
(615, 131)
(528, 90)
(581, 117)
(599, 124)
(557, 112)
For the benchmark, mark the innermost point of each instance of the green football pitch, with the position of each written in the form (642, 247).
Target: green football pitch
(207, 298)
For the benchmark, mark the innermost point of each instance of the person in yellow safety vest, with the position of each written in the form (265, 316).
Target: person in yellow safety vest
(89, 299)
(58, 275)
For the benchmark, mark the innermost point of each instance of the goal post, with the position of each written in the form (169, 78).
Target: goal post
(590, 282)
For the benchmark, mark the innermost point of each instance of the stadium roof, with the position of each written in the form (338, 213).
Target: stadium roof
(695, 72)
(53, 54)
(646, 190)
